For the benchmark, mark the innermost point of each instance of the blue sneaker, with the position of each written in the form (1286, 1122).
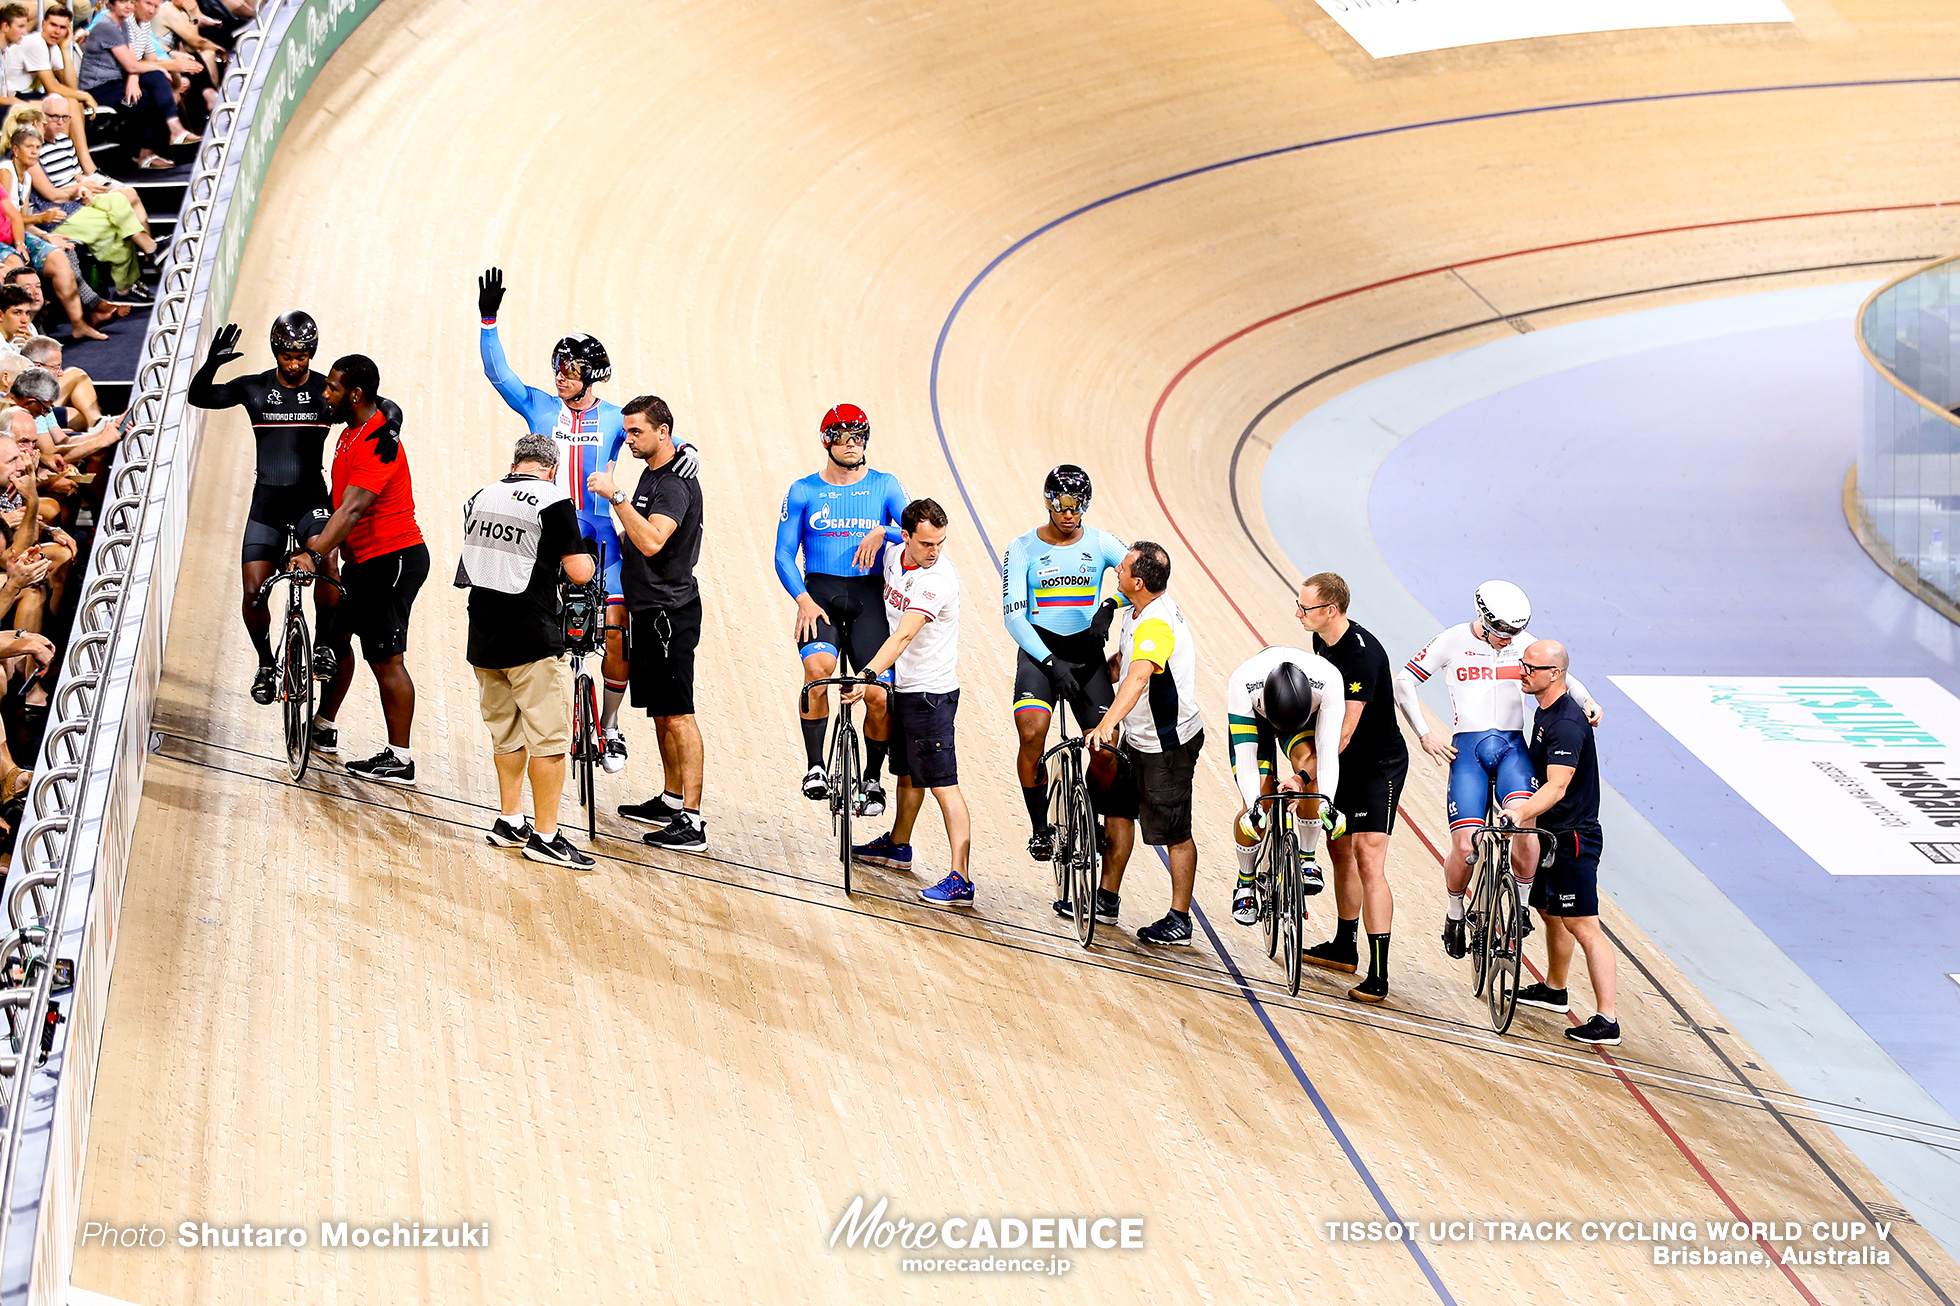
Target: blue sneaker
(953, 891)
(883, 852)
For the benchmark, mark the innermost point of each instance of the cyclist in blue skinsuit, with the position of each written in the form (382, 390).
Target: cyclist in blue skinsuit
(590, 437)
(1049, 580)
(840, 518)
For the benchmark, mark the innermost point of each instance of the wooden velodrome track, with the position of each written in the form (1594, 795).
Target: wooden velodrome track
(665, 1079)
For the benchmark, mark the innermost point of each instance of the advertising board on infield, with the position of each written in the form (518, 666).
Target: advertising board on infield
(1861, 774)
(1385, 28)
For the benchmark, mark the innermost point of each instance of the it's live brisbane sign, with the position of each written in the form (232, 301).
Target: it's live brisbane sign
(1390, 27)
(1863, 775)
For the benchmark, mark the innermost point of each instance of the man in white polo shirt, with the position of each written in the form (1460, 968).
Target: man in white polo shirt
(1156, 706)
(922, 605)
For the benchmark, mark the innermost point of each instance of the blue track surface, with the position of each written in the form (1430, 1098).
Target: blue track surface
(1679, 512)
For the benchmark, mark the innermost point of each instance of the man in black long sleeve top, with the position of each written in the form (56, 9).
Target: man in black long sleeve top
(287, 407)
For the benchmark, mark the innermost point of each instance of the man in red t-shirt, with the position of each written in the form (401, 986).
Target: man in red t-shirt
(383, 565)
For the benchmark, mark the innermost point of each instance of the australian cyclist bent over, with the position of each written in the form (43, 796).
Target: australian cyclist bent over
(1479, 661)
(287, 406)
(1282, 702)
(839, 518)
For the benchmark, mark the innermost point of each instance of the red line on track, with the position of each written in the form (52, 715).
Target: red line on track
(1150, 465)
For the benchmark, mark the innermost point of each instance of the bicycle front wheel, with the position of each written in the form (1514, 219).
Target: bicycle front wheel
(1085, 860)
(585, 745)
(1506, 953)
(296, 688)
(844, 783)
(1292, 905)
(1266, 894)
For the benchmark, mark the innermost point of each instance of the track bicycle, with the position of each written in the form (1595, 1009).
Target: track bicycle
(1494, 923)
(1279, 883)
(1078, 848)
(843, 764)
(583, 608)
(292, 658)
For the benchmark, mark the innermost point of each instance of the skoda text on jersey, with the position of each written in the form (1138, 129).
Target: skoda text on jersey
(827, 522)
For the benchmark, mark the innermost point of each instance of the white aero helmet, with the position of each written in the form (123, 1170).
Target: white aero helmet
(1502, 607)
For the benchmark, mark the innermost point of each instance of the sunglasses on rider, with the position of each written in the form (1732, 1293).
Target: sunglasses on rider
(1067, 503)
(846, 435)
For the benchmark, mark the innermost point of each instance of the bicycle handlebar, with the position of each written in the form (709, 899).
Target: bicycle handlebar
(1288, 795)
(1514, 829)
(862, 682)
(297, 578)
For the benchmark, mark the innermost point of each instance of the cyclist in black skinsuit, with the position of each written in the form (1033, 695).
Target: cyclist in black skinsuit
(288, 411)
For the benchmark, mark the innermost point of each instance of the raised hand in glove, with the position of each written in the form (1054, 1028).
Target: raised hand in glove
(224, 345)
(1099, 624)
(687, 461)
(489, 294)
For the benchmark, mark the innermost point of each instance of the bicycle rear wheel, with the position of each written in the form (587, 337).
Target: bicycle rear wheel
(1086, 863)
(1292, 905)
(584, 745)
(1506, 952)
(296, 689)
(843, 791)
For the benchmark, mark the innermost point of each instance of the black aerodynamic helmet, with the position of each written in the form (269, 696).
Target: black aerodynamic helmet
(295, 331)
(590, 357)
(1287, 699)
(1069, 481)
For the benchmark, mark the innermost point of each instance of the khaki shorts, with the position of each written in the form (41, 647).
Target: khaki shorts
(528, 707)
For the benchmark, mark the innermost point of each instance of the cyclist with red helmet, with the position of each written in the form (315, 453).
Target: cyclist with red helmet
(840, 518)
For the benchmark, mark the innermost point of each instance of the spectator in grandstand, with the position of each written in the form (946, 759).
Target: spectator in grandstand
(17, 309)
(48, 252)
(176, 34)
(113, 73)
(16, 21)
(68, 169)
(79, 408)
(518, 532)
(52, 55)
(101, 218)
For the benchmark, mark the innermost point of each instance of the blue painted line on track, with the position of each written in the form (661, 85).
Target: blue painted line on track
(945, 448)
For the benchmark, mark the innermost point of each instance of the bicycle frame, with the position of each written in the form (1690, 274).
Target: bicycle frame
(296, 687)
(1280, 885)
(844, 766)
(1071, 817)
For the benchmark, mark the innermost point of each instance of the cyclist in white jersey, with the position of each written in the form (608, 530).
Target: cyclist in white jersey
(1479, 661)
(1283, 702)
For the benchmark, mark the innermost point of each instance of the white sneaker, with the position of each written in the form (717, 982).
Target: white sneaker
(615, 756)
(816, 785)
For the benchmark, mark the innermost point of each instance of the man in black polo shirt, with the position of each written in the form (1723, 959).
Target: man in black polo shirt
(1374, 765)
(1566, 893)
(659, 543)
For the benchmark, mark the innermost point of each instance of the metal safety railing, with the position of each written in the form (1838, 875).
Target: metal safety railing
(51, 843)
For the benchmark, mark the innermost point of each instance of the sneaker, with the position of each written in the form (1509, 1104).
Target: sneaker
(687, 834)
(1596, 1032)
(870, 798)
(325, 661)
(659, 812)
(1332, 956)
(557, 850)
(1173, 931)
(816, 785)
(1453, 945)
(1245, 903)
(265, 685)
(326, 740)
(386, 768)
(1107, 905)
(953, 891)
(883, 852)
(1545, 997)
(505, 834)
(1041, 844)
(614, 758)
(1312, 879)
(1372, 990)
